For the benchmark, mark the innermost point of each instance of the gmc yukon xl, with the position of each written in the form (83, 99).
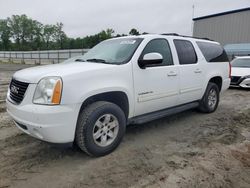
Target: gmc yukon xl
(128, 80)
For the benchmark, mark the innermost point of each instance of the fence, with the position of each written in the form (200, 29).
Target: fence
(38, 57)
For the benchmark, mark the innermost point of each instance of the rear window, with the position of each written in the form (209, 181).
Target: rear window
(186, 52)
(212, 52)
(243, 63)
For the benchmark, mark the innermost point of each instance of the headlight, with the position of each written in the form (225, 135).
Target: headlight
(48, 91)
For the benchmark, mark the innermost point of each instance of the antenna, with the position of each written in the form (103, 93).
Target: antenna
(193, 7)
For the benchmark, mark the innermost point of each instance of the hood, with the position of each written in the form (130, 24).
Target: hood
(240, 71)
(34, 74)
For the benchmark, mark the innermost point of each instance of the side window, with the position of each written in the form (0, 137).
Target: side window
(213, 52)
(186, 52)
(159, 46)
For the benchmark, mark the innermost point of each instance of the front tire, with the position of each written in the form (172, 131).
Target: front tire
(100, 128)
(210, 100)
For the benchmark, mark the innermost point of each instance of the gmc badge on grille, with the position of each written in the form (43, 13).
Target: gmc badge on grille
(14, 89)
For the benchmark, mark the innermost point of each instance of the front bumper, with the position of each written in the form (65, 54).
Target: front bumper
(55, 124)
(242, 82)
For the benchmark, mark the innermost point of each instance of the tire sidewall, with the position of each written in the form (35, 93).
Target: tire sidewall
(90, 144)
(209, 88)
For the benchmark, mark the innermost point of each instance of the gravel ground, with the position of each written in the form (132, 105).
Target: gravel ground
(189, 149)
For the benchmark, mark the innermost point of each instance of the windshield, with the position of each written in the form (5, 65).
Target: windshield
(115, 51)
(241, 63)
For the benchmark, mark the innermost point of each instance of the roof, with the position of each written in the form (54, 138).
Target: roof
(165, 35)
(222, 14)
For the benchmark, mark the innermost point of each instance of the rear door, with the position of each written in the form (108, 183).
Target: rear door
(191, 72)
(156, 87)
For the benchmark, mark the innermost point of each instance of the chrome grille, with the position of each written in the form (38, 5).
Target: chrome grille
(17, 90)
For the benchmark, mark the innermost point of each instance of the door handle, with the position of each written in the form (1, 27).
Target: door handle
(172, 73)
(198, 71)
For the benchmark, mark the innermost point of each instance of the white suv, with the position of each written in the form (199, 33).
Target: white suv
(127, 80)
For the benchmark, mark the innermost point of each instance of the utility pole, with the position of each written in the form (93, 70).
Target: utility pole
(192, 22)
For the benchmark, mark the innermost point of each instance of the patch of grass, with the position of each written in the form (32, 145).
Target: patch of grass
(5, 61)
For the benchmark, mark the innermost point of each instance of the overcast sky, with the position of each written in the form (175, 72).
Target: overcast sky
(86, 17)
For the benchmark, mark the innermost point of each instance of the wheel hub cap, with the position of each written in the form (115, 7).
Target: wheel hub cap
(105, 130)
(212, 98)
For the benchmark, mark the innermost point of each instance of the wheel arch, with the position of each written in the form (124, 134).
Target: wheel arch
(216, 80)
(119, 98)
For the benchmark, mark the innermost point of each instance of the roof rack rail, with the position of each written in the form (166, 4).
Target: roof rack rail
(175, 34)
(204, 38)
(171, 34)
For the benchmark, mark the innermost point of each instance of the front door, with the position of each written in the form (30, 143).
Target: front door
(156, 87)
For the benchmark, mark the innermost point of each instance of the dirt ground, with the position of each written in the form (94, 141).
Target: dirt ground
(185, 150)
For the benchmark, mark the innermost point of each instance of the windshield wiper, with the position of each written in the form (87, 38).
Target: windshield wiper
(97, 60)
(80, 60)
(101, 61)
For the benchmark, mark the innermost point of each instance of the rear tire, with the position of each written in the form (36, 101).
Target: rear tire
(100, 128)
(210, 100)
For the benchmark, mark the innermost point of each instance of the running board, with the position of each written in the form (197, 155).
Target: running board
(162, 113)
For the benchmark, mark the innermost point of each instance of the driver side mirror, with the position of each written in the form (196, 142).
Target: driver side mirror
(150, 59)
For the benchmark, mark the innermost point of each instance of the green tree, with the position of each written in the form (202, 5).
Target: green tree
(15, 26)
(5, 34)
(48, 35)
(110, 32)
(90, 41)
(22, 30)
(60, 36)
(134, 32)
(37, 35)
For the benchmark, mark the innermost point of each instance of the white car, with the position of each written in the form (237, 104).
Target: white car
(121, 81)
(241, 72)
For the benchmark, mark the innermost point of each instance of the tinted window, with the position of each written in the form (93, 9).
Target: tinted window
(244, 63)
(185, 51)
(213, 52)
(159, 46)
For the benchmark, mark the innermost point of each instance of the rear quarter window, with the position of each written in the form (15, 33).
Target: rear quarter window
(212, 52)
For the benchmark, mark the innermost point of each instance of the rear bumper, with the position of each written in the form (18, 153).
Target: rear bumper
(225, 84)
(55, 124)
